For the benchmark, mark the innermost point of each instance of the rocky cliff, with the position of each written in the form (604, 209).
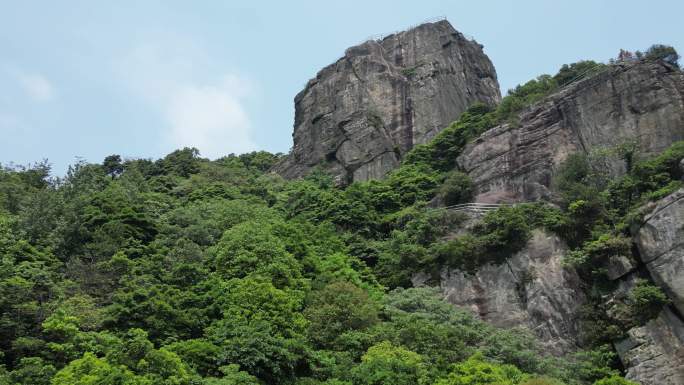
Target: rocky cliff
(642, 101)
(661, 246)
(653, 354)
(531, 290)
(358, 116)
(516, 162)
(534, 290)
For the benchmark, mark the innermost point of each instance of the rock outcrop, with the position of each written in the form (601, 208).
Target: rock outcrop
(661, 246)
(532, 290)
(633, 101)
(360, 115)
(653, 354)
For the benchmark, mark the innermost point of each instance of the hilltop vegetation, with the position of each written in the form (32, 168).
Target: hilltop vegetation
(190, 271)
(186, 271)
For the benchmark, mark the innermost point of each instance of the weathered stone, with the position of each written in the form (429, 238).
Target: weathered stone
(635, 101)
(533, 289)
(361, 114)
(661, 246)
(653, 354)
(619, 265)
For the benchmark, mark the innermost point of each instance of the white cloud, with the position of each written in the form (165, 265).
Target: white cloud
(198, 109)
(37, 87)
(211, 118)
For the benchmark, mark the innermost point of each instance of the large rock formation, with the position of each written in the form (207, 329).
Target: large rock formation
(642, 101)
(661, 246)
(362, 113)
(532, 289)
(653, 354)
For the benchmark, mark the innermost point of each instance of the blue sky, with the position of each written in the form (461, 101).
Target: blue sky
(141, 78)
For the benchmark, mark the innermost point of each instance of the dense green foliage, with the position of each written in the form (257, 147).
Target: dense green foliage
(662, 52)
(601, 210)
(189, 271)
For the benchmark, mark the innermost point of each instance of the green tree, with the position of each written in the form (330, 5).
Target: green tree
(385, 363)
(457, 188)
(183, 162)
(261, 330)
(523, 96)
(91, 370)
(112, 165)
(663, 52)
(477, 371)
(200, 355)
(614, 380)
(591, 365)
(32, 371)
(28, 283)
(252, 249)
(576, 71)
(232, 375)
(646, 301)
(338, 308)
(163, 309)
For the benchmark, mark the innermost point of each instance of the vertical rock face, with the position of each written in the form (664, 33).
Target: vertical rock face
(661, 246)
(532, 290)
(653, 354)
(361, 114)
(633, 101)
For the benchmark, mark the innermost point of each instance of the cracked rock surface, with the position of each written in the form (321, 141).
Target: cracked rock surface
(633, 101)
(361, 114)
(532, 290)
(661, 246)
(653, 354)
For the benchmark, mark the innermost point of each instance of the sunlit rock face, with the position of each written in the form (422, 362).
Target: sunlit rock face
(360, 115)
(653, 354)
(642, 102)
(661, 246)
(533, 289)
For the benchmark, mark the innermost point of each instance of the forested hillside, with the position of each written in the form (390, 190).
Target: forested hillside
(190, 271)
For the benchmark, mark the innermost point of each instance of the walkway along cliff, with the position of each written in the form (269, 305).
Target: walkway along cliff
(641, 102)
(362, 114)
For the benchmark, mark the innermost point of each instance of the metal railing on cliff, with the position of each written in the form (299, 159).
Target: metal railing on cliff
(588, 73)
(475, 207)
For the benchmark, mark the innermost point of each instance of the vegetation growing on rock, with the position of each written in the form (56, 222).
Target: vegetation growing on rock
(190, 271)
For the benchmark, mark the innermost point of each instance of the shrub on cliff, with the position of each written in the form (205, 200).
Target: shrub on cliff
(571, 72)
(662, 52)
(591, 259)
(523, 96)
(614, 380)
(440, 154)
(498, 236)
(646, 301)
(457, 188)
